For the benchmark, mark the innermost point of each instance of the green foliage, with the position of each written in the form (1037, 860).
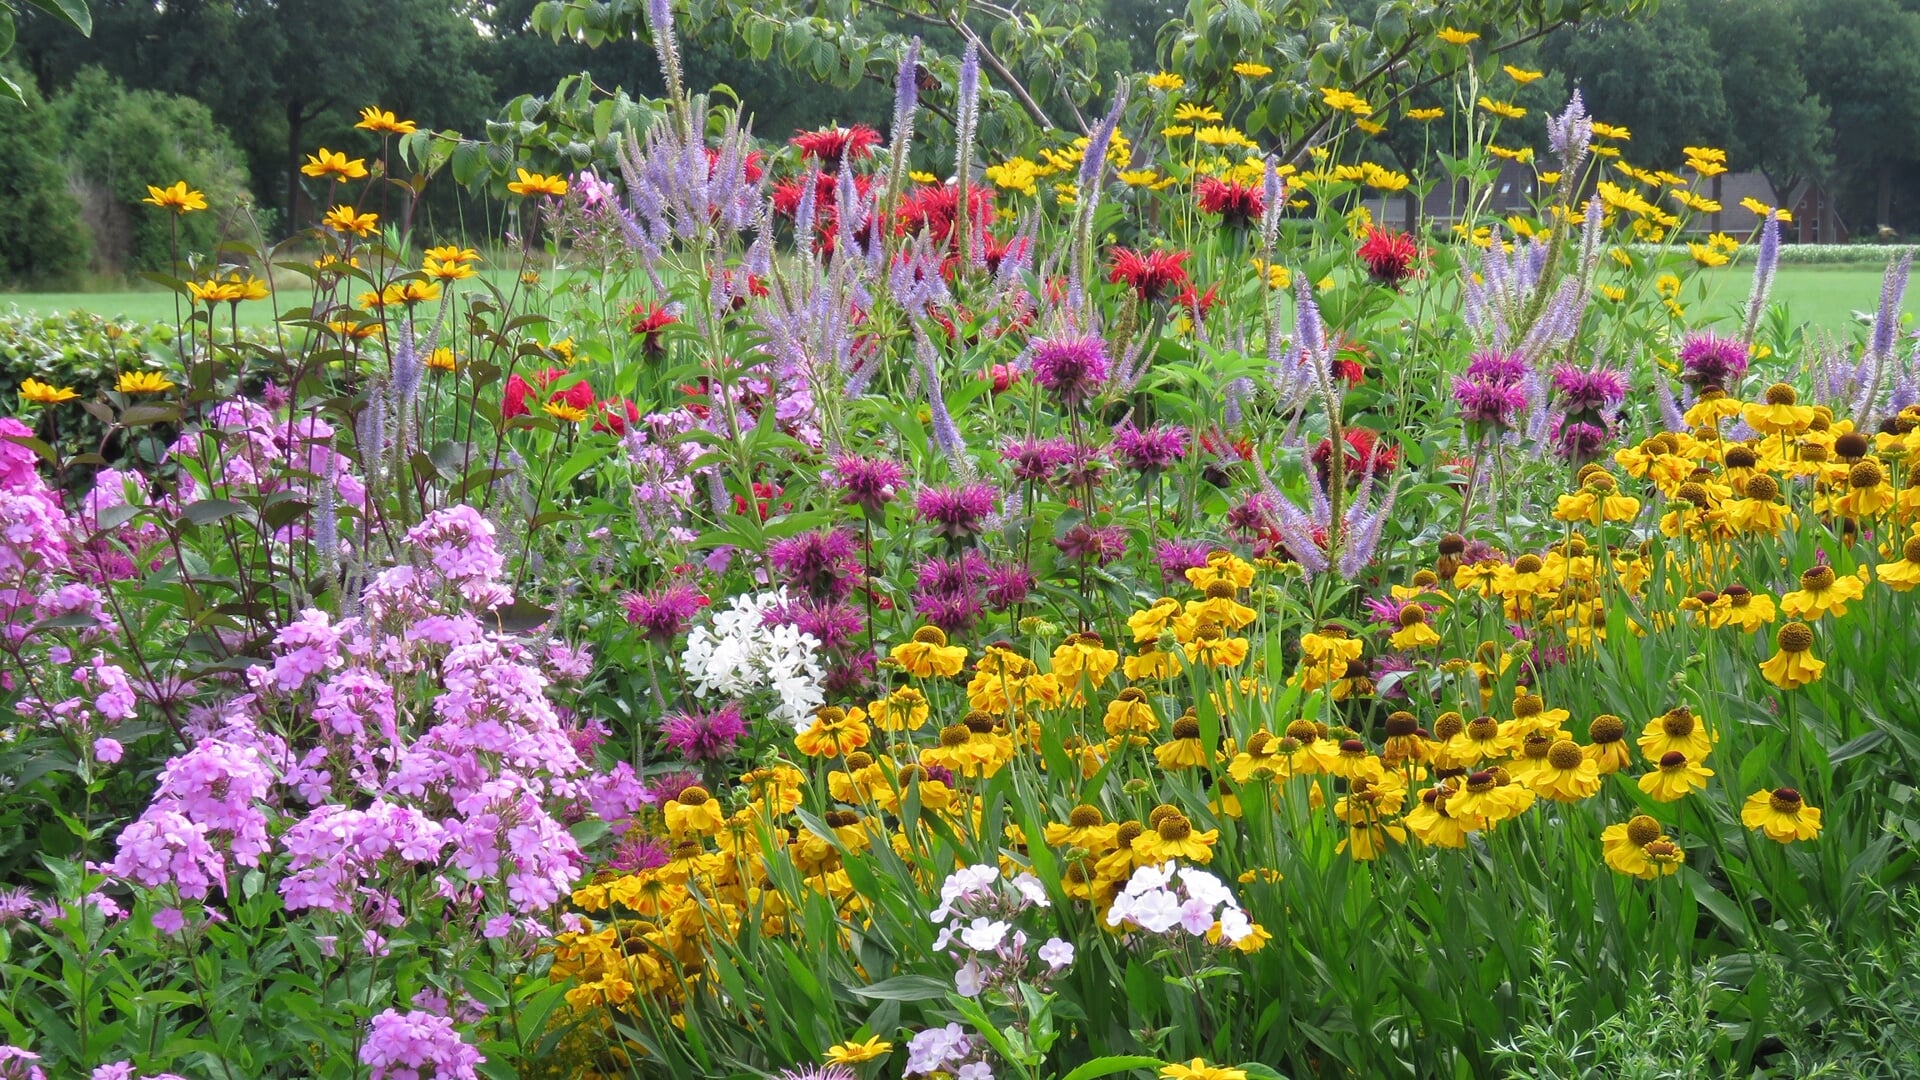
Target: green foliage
(119, 141)
(41, 239)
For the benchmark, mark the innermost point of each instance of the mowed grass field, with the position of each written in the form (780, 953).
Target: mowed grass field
(1825, 297)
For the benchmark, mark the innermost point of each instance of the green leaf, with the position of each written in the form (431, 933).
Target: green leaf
(207, 511)
(72, 12)
(905, 988)
(1107, 1066)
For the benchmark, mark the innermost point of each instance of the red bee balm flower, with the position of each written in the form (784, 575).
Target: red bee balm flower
(1237, 204)
(1389, 256)
(1151, 275)
(830, 146)
(648, 321)
(1365, 454)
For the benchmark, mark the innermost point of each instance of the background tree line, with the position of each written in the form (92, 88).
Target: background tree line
(231, 94)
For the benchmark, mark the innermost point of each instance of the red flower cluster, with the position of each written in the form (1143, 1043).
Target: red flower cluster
(833, 145)
(1151, 275)
(1237, 204)
(1389, 256)
(932, 209)
(520, 392)
(1366, 454)
(649, 321)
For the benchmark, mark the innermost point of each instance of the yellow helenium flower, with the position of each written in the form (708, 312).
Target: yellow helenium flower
(142, 382)
(1780, 413)
(373, 118)
(336, 165)
(1676, 729)
(530, 184)
(1904, 574)
(1794, 665)
(1567, 774)
(693, 811)
(1781, 815)
(1822, 593)
(1674, 776)
(178, 198)
(40, 393)
(928, 654)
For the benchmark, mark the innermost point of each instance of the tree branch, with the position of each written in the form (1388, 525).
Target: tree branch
(1019, 91)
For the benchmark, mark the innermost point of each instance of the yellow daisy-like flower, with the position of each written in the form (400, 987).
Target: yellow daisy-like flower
(560, 410)
(1504, 109)
(1198, 1069)
(1781, 815)
(1174, 837)
(530, 184)
(693, 811)
(1424, 115)
(442, 359)
(1676, 729)
(179, 198)
(1794, 665)
(1823, 592)
(928, 654)
(40, 393)
(1520, 75)
(853, 1053)
(344, 219)
(1252, 70)
(1674, 777)
(336, 165)
(142, 382)
(447, 271)
(1904, 573)
(1611, 131)
(453, 253)
(1189, 113)
(1624, 846)
(1138, 177)
(1346, 101)
(1015, 174)
(1760, 210)
(1166, 81)
(1780, 413)
(1457, 37)
(373, 118)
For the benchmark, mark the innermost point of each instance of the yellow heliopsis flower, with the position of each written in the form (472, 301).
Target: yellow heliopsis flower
(1014, 174)
(1674, 776)
(344, 219)
(1424, 115)
(373, 118)
(1252, 70)
(1198, 1069)
(1782, 815)
(442, 359)
(1520, 75)
(1760, 210)
(453, 253)
(142, 382)
(1707, 257)
(1166, 81)
(40, 393)
(1189, 113)
(336, 165)
(1138, 177)
(447, 271)
(1505, 109)
(1794, 665)
(530, 184)
(179, 198)
(1457, 37)
(853, 1053)
(1611, 131)
(560, 410)
(1346, 101)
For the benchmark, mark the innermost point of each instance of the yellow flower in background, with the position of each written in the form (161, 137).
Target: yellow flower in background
(1902, 574)
(1457, 37)
(1611, 131)
(1138, 177)
(179, 198)
(447, 271)
(442, 359)
(1551, 177)
(1520, 75)
(1522, 154)
(1346, 101)
(1252, 70)
(1166, 81)
(1381, 178)
(1706, 255)
(45, 393)
(1188, 112)
(1177, 131)
(1691, 201)
(1424, 115)
(336, 165)
(928, 654)
(920, 177)
(1223, 135)
(531, 184)
(453, 253)
(853, 1053)
(1278, 276)
(1759, 209)
(1015, 174)
(1505, 109)
(373, 118)
(344, 219)
(1369, 126)
(142, 382)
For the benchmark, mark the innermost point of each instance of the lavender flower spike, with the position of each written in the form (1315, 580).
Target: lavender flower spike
(660, 26)
(1764, 264)
(1570, 133)
(946, 435)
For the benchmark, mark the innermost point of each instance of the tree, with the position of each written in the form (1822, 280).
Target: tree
(1774, 122)
(1863, 59)
(1657, 76)
(41, 238)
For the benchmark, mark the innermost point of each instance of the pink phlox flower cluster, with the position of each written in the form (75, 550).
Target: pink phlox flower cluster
(332, 849)
(417, 1045)
(978, 917)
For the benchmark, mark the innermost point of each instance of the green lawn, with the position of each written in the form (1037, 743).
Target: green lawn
(1823, 296)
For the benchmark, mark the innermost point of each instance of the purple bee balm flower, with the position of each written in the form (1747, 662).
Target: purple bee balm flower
(1711, 360)
(958, 513)
(1176, 557)
(1034, 460)
(638, 852)
(852, 678)
(1487, 404)
(947, 576)
(1150, 451)
(700, 735)
(834, 624)
(1583, 390)
(1093, 546)
(1071, 368)
(664, 613)
(823, 564)
(1083, 467)
(868, 483)
(1008, 586)
(954, 613)
(1579, 440)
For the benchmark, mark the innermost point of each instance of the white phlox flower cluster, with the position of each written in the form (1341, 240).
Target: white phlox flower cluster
(741, 655)
(1160, 898)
